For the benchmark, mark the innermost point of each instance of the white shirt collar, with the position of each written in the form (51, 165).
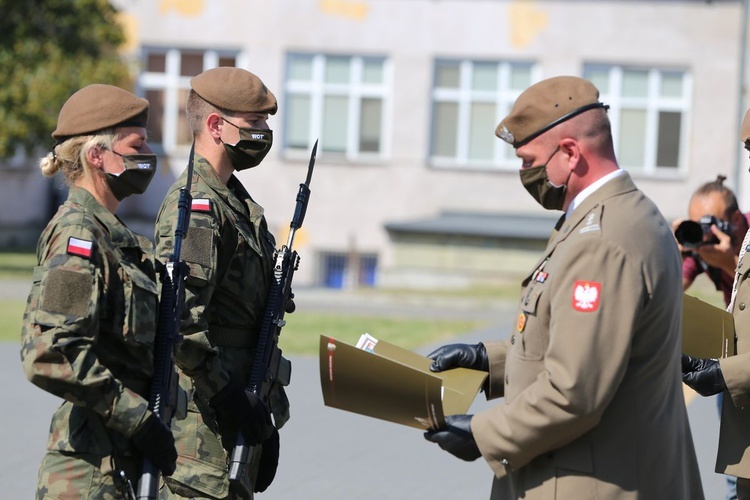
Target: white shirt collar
(590, 189)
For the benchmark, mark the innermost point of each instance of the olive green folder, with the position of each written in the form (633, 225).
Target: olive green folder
(384, 381)
(707, 330)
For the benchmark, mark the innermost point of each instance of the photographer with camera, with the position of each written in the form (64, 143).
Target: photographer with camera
(710, 240)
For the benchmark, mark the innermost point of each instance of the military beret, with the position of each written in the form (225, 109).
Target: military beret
(745, 130)
(97, 107)
(545, 105)
(234, 89)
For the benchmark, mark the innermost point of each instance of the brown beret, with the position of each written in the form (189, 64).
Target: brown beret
(545, 105)
(234, 89)
(97, 107)
(745, 130)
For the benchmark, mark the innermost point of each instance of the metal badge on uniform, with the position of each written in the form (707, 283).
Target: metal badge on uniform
(586, 295)
(201, 205)
(81, 248)
(521, 322)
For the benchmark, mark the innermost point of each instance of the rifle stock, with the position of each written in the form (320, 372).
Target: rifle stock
(164, 385)
(269, 367)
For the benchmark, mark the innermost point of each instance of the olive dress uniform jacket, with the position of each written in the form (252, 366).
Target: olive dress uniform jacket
(734, 437)
(88, 334)
(230, 253)
(591, 375)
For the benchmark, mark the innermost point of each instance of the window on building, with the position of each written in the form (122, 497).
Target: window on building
(343, 270)
(340, 100)
(469, 98)
(165, 82)
(649, 111)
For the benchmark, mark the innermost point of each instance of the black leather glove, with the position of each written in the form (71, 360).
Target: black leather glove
(154, 440)
(702, 375)
(244, 411)
(269, 461)
(459, 355)
(456, 438)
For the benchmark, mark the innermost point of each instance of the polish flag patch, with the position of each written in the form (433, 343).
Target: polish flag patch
(79, 247)
(586, 295)
(201, 205)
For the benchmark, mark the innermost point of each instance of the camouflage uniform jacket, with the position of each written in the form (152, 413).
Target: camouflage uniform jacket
(89, 326)
(230, 253)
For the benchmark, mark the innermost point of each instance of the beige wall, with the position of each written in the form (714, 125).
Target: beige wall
(351, 203)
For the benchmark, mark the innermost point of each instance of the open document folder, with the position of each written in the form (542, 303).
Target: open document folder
(384, 381)
(707, 331)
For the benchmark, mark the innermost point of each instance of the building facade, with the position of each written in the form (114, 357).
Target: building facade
(404, 96)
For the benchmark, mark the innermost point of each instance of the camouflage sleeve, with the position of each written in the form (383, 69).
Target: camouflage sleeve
(61, 327)
(195, 356)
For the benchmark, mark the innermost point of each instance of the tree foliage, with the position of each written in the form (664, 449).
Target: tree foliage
(48, 50)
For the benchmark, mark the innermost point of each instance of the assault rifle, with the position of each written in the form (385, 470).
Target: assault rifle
(164, 385)
(269, 367)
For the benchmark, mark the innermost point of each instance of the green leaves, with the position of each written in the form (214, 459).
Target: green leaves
(48, 50)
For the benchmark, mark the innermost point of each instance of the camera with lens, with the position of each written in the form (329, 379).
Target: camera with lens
(690, 234)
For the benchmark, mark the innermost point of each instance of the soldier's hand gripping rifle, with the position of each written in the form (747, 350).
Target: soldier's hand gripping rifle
(268, 365)
(164, 385)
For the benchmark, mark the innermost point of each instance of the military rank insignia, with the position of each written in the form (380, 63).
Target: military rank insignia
(521, 324)
(81, 248)
(201, 205)
(586, 295)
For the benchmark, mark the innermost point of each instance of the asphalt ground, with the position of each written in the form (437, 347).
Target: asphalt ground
(326, 453)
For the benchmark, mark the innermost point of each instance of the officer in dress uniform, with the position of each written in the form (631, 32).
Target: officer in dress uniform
(731, 375)
(590, 374)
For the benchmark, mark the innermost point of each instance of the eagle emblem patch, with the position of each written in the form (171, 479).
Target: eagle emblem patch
(586, 295)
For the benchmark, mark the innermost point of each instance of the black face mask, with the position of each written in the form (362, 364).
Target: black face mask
(253, 146)
(537, 183)
(139, 170)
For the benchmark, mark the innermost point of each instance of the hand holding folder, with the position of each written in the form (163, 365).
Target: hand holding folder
(384, 381)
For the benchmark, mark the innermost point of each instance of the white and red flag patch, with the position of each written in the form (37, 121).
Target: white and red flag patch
(586, 295)
(201, 205)
(79, 247)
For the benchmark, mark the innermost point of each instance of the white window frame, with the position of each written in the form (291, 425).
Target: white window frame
(652, 104)
(171, 82)
(317, 89)
(503, 156)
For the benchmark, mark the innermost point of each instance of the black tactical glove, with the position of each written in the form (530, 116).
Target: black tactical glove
(244, 411)
(269, 460)
(154, 440)
(456, 438)
(459, 355)
(702, 375)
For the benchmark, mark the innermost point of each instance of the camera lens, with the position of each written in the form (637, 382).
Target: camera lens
(689, 234)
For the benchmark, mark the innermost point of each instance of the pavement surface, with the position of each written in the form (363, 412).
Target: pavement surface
(325, 453)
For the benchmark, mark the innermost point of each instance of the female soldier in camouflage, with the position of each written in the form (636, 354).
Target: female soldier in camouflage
(90, 318)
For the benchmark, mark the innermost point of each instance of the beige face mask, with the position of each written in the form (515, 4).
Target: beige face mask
(537, 183)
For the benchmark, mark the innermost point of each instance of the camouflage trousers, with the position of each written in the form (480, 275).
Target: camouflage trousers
(201, 461)
(76, 476)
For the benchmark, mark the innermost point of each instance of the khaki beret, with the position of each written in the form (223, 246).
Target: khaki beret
(234, 89)
(745, 130)
(545, 105)
(97, 107)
